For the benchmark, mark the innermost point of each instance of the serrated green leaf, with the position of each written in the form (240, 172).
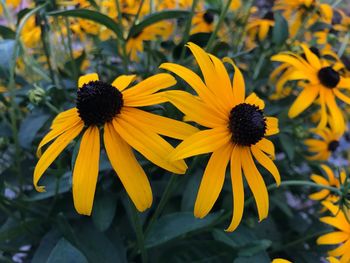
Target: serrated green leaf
(93, 16)
(174, 225)
(156, 17)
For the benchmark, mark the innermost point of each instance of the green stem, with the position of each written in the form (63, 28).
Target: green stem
(52, 107)
(121, 43)
(344, 45)
(70, 48)
(188, 29)
(139, 232)
(136, 16)
(218, 25)
(164, 199)
(305, 183)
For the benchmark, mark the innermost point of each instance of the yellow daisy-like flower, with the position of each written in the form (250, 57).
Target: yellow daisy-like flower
(324, 147)
(236, 133)
(203, 22)
(113, 107)
(135, 43)
(331, 180)
(31, 33)
(340, 237)
(260, 27)
(320, 80)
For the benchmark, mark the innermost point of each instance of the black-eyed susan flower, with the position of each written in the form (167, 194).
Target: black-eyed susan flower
(329, 180)
(325, 145)
(236, 133)
(134, 44)
(113, 107)
(320, 80)
(340, 237)
(260, 27)
(203, 22)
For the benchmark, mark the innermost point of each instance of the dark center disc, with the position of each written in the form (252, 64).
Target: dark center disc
(328, 77)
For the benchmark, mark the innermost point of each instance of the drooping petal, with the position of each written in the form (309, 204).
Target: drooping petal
(123, 81)
(335, 112)
(52, 152)
(127, 168)
(266, 146)
(64, 116)
(149, 144)
(195, 109)
(256, 183)
(271, 126)
(319, 195)
(237, 188)
(253, 99)
(159, 124)
(85, 171)
(213, 180)
(266, 162)
(87, 78)
(202, 142)
(304, 100)
(333, 238)
(238, 85)
(311, 57)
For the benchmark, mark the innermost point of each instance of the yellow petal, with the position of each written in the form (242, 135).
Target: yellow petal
(263, 31)
(64, 116)
(202, 142)
(127, 168)
(333, 238)
(256, 183)
(271, 126)
(335, 112)
(159, 124)
(253, 99)
(60, 126)
(299, 64)
(150, 86)
(85, 171)
(87, 78)
(304, 100)
(238, 85)
(123, 81)
(213, 180)
(237, 189)
(266, 146)
(319, 195)
(149, 144)
(53, 151)
(142, 101)
(311, 57)
(195, 109)
(266, 162)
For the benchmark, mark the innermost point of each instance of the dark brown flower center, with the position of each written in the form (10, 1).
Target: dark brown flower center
(208, 17)
(247, 124)
(333, 145)
(328, 77)
(98, 102)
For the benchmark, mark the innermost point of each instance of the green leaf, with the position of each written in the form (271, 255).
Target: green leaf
(30, 126)
(255, 248)
(7, 33)
(47, 243)
(258, 258)
(6, 50)
(93, 16)
(104, 210)
(288, 145)
(65, 252)
(174, 225)
(154, 18)
(280, 31)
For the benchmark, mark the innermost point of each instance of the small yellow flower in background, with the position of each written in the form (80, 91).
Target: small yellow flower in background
(330, 180)
(259, 27)
(320, 80)
(134, 44)
(11, 4)
(236, 133)
(340, 236)
(31, 33)
(323, 147)
(203, 22)
(114, 107)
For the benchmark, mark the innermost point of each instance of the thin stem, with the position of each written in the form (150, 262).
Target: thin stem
(305, 183)
(218, 25)
(70, 48)
(164, 199)
(136, 16)
(138, 231)
(52, 107)
(344, 45)
(188, 28)
(121, 43)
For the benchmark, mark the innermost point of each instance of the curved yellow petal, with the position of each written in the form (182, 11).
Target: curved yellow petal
(87, 78)
(253, 99)
(212, 181)
(303, 101)
(333, 238)
(266, 146)
(266, 162)
(237, 189)
(142, 101)
(202, 142)
(149, 144)
(256, 183)
(311, 57)
(85, 171)
(271, 126)
(238, 84)
(335, 112)
(123, 81)
(159, 124)
(52, 152)
(319, 195)
(127, 168)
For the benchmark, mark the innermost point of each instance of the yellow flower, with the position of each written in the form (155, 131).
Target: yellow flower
(237, 128)
(340, 237)
(114, 108)
(172, 4)
(203, 22)
(331, 180)
(135, 43)
(11, 4)
(320, 80)
(260, 27)
(235, 4)
(280, 260)
(31, 33)
(323, 147)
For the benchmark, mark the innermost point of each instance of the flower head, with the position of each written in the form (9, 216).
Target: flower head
(113, 108)
(236, 132)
